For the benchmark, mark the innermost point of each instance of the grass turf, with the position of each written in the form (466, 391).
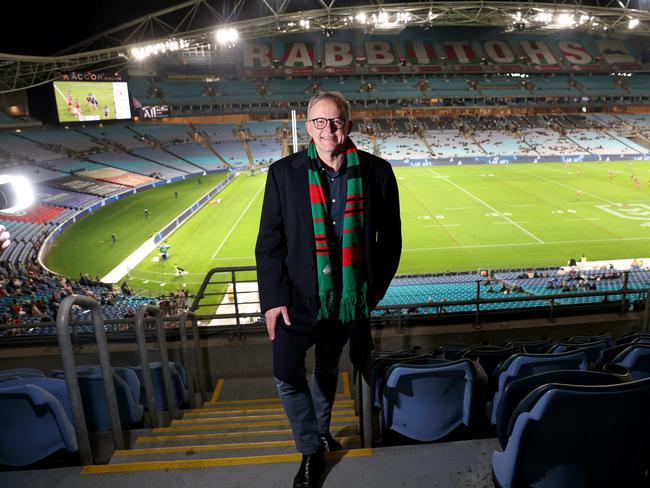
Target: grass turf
(454, 218)
(86, 246)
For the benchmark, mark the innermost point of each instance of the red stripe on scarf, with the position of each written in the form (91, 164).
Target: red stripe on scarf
(316, 194)
(352, 255)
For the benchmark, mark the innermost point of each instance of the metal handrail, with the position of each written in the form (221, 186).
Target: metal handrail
(193, 363)
(70, 373)
(144, 363)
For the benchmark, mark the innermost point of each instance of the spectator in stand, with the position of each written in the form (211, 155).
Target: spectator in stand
(125, 288)
(5, 238)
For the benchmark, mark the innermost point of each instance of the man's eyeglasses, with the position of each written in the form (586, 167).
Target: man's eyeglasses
(321, 122)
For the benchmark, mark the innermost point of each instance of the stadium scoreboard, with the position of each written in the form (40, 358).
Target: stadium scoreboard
(91, 97)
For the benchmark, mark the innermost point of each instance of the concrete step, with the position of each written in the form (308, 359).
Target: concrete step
(252, 408)
(260, 402)
(214, 462)
(208, 451)
(202, 439)
(243, 426)
(279, 413)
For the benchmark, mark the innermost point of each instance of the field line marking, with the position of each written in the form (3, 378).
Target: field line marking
(234, 257)
(490, 207)
(572, 188)
(60, 92)
(479, 246)
(241, 216)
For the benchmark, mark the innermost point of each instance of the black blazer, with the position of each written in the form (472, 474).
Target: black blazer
(285, 250)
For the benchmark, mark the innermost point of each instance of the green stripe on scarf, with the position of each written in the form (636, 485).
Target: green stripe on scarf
(353, 295)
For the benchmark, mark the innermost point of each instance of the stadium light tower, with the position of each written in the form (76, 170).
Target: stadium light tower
(16, 193)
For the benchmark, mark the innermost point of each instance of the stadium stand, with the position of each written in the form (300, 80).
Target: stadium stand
(14, 146)
(164, 157)
(71, 166)
(117, 134)
(135, 164)
(69, 139)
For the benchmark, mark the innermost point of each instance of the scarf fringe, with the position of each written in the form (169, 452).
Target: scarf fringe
(351, 303)
(326, 305)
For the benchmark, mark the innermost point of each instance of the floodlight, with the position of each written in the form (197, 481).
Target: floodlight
(565, 20)
(227, 36)
(404, 17)
(16, 193)
(632, 23)
(544, 17)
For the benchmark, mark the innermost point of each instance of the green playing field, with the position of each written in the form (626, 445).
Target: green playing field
(453, 217)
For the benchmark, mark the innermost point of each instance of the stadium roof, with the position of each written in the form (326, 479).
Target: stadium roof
(154, 21)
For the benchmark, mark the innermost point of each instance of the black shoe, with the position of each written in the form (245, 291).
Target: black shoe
(311, 470)
(329, 443)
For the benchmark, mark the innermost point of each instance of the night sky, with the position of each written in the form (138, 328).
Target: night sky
(47, 27)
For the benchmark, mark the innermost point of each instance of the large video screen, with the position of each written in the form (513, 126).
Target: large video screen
(91, 101)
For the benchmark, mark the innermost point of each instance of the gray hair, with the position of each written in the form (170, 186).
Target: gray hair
(336, 97)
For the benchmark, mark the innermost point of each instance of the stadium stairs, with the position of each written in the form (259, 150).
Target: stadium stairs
(246, 442)
(228, 432)
(172, 153)
(203, 139)
(243, 138)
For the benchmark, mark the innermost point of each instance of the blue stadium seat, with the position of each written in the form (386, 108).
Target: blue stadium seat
(570, 436)
(609, 338)
(638, 336)
(132, 380)
(610, 353)
(33, 425)
(531, 346)
(180, 390)
(517, 390)
(427, 402)
(522, 365)
(490, 357)
(381, 365)
(93, 397)
(54, 386)
(593, 349)
(9, 374)
(636, 358)
(451, 352)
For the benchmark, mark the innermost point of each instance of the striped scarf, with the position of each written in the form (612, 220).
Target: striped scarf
(353, 295)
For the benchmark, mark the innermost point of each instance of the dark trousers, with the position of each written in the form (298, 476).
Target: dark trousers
(310, 410)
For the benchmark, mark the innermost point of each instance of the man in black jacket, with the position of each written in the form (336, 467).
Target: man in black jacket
(328, 246)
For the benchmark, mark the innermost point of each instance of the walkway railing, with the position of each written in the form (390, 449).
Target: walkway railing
(194, 368)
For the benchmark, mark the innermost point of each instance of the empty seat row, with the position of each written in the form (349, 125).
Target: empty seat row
(37, 420)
